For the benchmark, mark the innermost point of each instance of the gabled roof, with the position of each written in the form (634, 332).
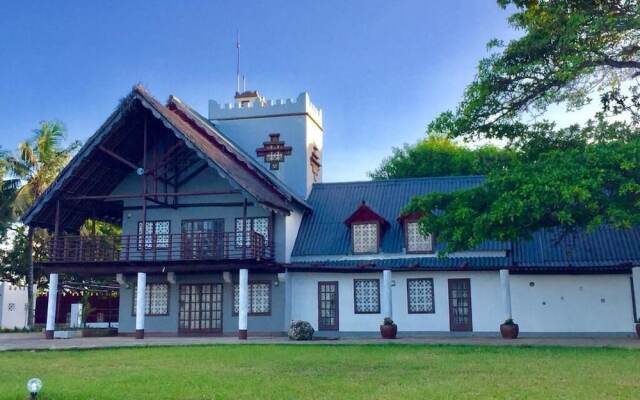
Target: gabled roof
(323, 236)
(364, 213)
(209, 144)
(323, 231)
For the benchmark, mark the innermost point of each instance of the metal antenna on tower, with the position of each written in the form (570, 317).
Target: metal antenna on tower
(238, 62)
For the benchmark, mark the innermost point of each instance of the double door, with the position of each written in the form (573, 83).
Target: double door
(200, 308)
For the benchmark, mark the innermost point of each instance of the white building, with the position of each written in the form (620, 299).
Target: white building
(229, 227)
(13, 306)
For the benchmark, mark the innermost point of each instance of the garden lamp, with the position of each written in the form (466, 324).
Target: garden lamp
(33, 386)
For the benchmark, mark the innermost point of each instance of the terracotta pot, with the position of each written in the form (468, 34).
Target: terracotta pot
(638, 329)
(389, 331)
(509, 331)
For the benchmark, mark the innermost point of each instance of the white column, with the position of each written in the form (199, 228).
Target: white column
(243, 282)
(51, 305)
(505, 286)
(635, 274)
(140, 306)
(288, 298)
(387, 306)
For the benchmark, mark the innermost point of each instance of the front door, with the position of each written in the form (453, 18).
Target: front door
(460, 305)
(200, 309)
(328, 306)
(203, 239)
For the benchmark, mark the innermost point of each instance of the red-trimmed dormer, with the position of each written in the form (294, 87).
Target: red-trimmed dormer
(366, 230)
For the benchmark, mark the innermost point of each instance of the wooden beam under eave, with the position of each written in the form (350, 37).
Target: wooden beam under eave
(118, 157)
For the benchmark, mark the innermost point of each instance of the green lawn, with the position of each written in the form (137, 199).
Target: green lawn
(317, 371)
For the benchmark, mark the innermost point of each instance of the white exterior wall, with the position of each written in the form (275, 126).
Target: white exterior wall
(17, 295)
(485, 301)
(298, 122)
(572, 303)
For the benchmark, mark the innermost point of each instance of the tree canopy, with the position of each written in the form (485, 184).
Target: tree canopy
(576, 177)
(441, 156)
(570, 50)
(38, 162)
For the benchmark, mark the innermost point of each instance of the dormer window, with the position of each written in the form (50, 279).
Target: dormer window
(366, 230)
(415, 241)
(365, 237)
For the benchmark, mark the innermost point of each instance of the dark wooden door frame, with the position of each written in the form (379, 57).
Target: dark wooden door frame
(453, 326)
(336, 303)
(633, 300)
(211, 331)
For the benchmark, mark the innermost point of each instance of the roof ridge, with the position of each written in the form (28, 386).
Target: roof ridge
(400, 180)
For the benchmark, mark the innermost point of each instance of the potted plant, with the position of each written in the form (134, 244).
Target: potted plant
(509, 329)
(388, 329)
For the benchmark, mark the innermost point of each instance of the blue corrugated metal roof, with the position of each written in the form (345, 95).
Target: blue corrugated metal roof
(323, 231)
(605, 246)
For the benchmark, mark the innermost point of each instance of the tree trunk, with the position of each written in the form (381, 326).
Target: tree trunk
(30, 292)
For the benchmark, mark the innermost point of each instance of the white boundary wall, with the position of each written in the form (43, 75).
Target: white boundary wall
(13, 306)
(573, 303)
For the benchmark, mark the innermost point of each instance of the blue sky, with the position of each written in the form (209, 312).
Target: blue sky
(380, 70)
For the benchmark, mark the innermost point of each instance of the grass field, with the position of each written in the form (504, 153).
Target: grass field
(317, 371)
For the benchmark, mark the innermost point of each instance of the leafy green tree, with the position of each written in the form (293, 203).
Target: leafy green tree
(438, 155)
(13, 256)
(36, 165)
(570, 50)
(574, 177)
(581, 187)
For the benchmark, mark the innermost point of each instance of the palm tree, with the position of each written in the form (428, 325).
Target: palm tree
(36, 165)
(8, 188)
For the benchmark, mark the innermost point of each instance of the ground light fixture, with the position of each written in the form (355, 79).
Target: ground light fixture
(34, 385)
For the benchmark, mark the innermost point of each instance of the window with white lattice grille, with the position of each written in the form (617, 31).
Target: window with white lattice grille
(259, 225)
(416, 241)
(259, 298)
(420, 296)
(365, 238)
(156, 235)
(156, 299)
(366, 296)
(12, 307)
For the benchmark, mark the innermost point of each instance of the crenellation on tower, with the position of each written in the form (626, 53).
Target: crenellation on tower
(263, 127)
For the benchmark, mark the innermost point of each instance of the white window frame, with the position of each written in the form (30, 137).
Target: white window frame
(356, 230)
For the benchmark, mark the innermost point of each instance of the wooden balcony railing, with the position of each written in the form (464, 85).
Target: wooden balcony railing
(157, 247)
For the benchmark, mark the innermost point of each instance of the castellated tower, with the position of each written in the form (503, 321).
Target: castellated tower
(284, 135)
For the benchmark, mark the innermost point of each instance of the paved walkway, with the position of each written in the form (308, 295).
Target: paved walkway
(36, 341)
